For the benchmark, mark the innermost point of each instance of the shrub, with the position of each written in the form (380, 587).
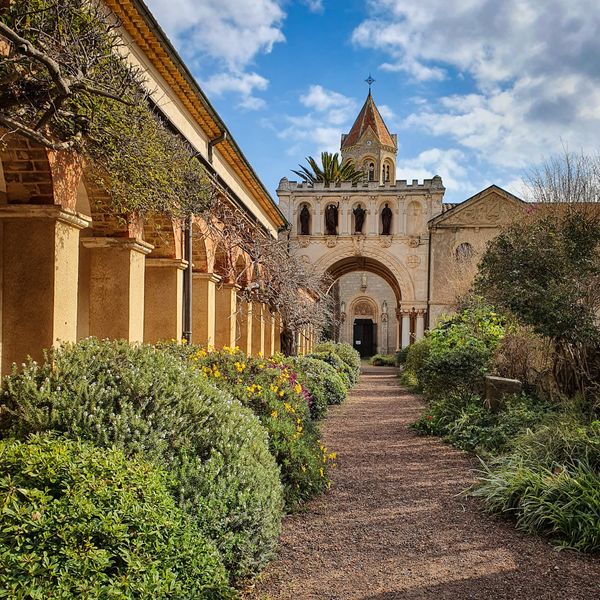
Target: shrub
(463, 420)
(276, 395)
(562, 502)
(460, 351)
(383, 360)
(323, 383)
(346, 352)
(416, 356)
(83, 522)
(341, 368)
(145, 401)
(401, 355)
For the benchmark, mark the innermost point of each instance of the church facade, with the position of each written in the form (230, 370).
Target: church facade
(394, 251)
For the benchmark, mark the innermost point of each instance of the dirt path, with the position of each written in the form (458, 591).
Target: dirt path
(393, 526)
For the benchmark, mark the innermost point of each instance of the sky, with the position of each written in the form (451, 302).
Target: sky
(478, 91)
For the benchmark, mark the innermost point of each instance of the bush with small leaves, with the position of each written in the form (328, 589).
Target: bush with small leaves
(383, 360)
(276, 394)
(323, 383)
(84, 522)
(346, 352)
(146, 401)
(341, 368)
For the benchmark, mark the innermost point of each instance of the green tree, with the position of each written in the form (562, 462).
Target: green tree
(331, 170)
(545, 269)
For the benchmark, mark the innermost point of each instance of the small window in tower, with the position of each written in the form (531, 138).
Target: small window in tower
(387, 173)
(371, 171)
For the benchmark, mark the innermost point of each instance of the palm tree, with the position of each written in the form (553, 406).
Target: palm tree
(331, 170)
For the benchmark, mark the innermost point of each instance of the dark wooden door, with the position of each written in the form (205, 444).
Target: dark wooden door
(364, 337)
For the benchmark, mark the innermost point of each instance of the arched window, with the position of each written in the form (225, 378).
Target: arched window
(464, 252)
(371, 171)
(387, 173)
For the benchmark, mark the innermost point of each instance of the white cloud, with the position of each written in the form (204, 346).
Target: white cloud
(330, 114)
(224, 37)
(315, 6)
(233, 32)
(534, 68)
(448, 164)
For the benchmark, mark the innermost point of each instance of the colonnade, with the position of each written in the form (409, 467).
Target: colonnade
(61, 285)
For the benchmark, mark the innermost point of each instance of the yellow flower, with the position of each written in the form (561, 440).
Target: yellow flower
(298, 388)
(239, 366)
(274, 414)
(322, 472)
(333, 456)
(281, 394)
(303, 468)
(216, 374)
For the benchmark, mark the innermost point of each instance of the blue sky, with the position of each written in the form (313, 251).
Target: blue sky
(478, 91)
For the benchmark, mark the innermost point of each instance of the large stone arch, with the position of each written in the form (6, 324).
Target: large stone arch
(379, 261)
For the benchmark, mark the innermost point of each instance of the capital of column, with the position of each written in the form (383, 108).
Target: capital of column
(173, 263)
(212, 277)
(125, 243)
(44, 211)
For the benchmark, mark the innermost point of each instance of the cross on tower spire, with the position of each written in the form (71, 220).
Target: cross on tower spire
(370, 81)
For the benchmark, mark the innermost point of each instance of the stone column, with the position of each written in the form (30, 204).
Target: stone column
(420, 327)
(39, 252)
(274, 333)
(384, 334)
(225, 315)
(345, 213)
(372, 216)
(163, 299)
(318, 225)
(116, 287)
(244, 332)
(268, 319)
(203, 308)
(405, 328)
(258, 329)
(277, 333)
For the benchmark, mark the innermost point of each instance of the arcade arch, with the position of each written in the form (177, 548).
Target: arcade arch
(373, 300)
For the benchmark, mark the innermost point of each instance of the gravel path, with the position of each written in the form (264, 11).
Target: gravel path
(394, 527)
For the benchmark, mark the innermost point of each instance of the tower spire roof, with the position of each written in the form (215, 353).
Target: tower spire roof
(368, 116)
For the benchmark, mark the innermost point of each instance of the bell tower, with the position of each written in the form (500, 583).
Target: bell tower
(370, 145)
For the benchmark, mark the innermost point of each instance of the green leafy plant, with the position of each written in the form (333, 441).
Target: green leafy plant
(148, 402)
(383, 360)
(84, 522)
(331, 170)
(346, 352)
(322, 382)
(275, 392)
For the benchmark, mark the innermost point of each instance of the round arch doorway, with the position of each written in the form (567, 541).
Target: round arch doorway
(366, 298)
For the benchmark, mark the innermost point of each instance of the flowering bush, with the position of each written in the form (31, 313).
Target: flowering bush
(148, 402)
(323, 383)
(346, 352)
(275, 393)
(83, 522)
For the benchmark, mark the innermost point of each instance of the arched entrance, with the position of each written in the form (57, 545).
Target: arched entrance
(367, 297)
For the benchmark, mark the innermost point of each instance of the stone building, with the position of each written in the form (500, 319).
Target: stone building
(391, 247)
(69, 269)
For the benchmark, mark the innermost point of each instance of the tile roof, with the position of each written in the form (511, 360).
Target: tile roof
(369, 116)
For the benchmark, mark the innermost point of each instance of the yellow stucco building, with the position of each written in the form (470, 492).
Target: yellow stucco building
(69, 269)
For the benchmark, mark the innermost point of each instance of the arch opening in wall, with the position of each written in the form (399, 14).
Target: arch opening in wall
(358, 227)
(305, 219)
(387, 171)
(386, 220)
(464, 253)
